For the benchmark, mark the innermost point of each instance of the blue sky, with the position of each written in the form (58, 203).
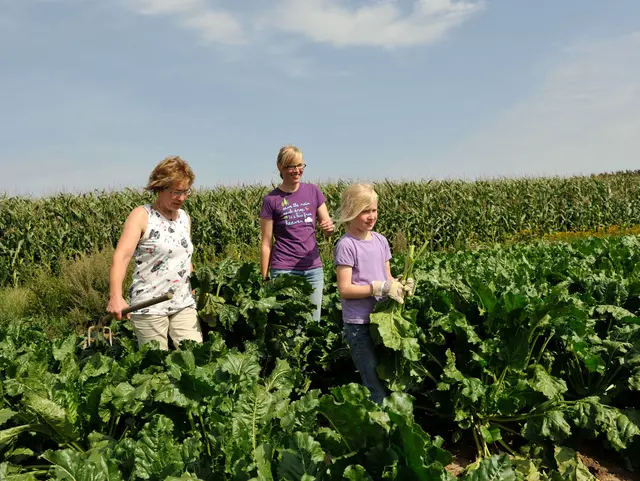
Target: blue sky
(93, 93)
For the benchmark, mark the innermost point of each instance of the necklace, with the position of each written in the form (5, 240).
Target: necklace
(167, 216)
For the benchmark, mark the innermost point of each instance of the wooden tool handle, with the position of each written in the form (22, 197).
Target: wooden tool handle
(150, 302)
(140, 305)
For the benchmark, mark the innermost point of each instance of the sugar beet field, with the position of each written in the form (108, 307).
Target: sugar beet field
(518, 357)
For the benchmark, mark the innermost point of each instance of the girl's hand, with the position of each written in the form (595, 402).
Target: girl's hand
(392, 288)
(409, 286)
(326, 226)
(115, 307)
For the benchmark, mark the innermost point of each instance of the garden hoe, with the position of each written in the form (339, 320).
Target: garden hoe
(102, 332)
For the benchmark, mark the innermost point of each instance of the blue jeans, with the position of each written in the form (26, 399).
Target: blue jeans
(315, 278)
(363, 354)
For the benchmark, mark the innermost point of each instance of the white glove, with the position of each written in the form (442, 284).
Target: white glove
(409, 286)
(394, 289)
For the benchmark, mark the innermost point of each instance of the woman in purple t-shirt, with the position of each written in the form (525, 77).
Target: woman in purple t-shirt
(288, 216)
(364, 278)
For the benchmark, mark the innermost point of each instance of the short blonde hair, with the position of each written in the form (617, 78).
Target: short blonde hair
(355, 199)
(288, 155)
(169, 171)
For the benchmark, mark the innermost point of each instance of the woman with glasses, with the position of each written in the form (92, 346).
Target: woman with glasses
(158, 237)
(288, 216)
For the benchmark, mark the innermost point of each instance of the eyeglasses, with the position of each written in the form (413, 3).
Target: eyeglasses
(179, 193)
(291, 168)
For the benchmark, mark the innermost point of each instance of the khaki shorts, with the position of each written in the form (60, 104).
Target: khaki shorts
(181, 325)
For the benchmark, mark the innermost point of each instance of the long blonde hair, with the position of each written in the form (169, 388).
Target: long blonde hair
(356, 198)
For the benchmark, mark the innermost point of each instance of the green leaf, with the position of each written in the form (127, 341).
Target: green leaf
(594, 363)
(490, 435)
(216, 310)
(494, 468)
(252, 411)
(21, 452)
(73, 466)
(7, 475)
(195, 382)
(485, 296)
(513, 301)
(301, 414)
(96, 366)
(634, 381)
(516, 349)
(546, 384)
(280, 378)
(355, 472)
(242, 367)
(454, 321)
(7, 435)
(184, 477)
(157, 454)
(400, 405)
(598, 418)
(550, 425)
(263, 456)
(356, 420)
(5, 415)
(259, 404)
(53, 415)
(470, 387)
(618, 313)
(265, 304)
(526, 470)
(570, 468)
(397, 333)
(303, 457)
(419, 453)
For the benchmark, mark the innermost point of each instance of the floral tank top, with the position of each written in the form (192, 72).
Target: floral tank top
(162, 264)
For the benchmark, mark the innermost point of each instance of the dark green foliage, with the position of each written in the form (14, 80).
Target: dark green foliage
(531, 343)
(522, 351)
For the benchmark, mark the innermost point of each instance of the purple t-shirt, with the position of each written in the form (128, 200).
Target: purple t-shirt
(367, 259)
(294, 227)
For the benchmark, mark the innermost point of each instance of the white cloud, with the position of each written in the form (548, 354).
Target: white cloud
(160, 7)
(384, 23)
(381, 24)
(212, 25)
(217, 27)
(584, 118)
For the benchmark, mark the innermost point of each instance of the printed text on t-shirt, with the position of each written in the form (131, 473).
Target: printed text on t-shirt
(296, 213)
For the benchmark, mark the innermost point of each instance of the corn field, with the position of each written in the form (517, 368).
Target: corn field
(35, 232)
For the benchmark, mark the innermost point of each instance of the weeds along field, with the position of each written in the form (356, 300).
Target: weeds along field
(447, 214)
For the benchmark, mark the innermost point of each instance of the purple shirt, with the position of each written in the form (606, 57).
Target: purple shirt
(367, 259)
(294, 227)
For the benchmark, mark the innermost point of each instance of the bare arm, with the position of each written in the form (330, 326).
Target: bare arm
(325, 222)
(387, 266)
(191, 265)
(348, 290)
(134, 228)
(266, 245)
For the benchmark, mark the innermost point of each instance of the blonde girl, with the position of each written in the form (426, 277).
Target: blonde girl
(364, 278)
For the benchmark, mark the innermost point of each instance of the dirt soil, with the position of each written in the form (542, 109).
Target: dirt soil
(602, 469)
(462, 457)
(606, 470)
